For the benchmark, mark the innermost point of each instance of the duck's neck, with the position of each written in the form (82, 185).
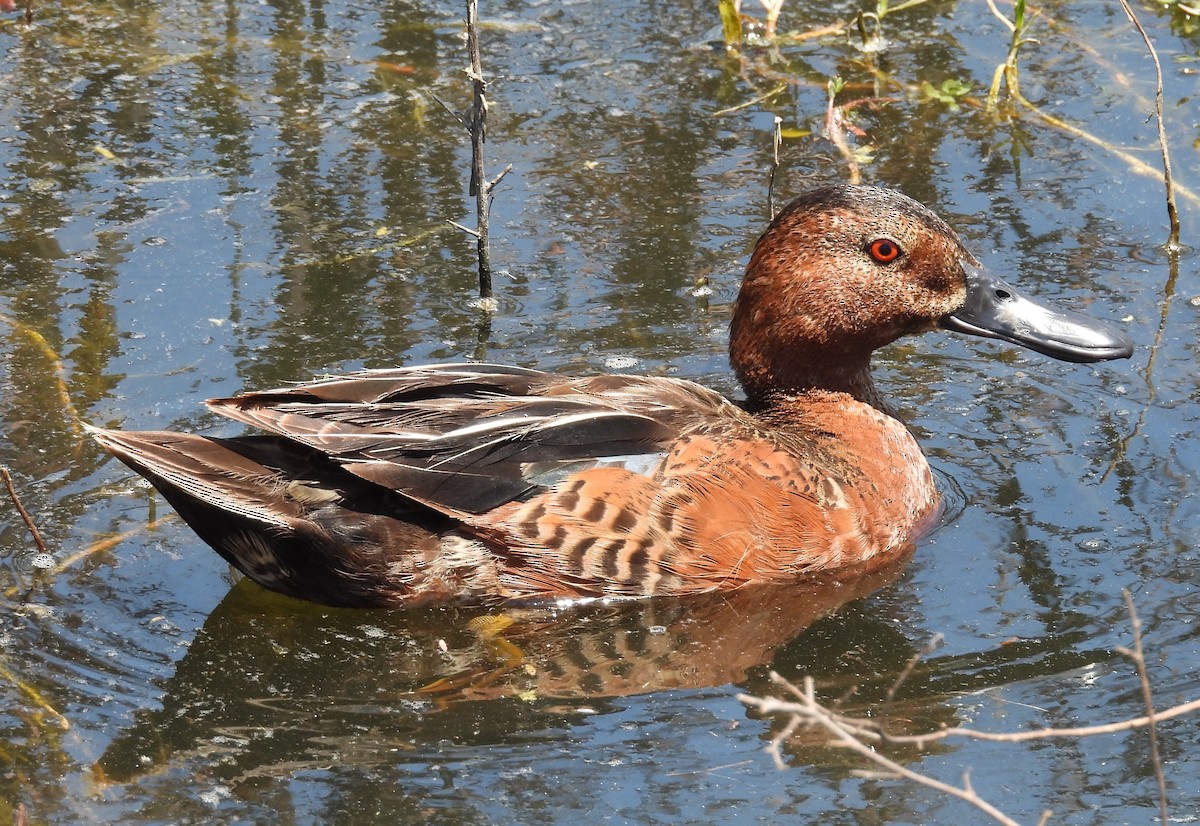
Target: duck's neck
(771, 383)
(780, 352)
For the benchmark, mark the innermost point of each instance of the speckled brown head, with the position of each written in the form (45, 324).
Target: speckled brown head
(844, 270)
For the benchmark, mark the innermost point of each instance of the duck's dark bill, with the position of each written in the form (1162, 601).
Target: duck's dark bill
(995, 310)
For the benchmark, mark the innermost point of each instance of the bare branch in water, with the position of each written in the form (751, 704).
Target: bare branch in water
(864, 735)
(1172, 211)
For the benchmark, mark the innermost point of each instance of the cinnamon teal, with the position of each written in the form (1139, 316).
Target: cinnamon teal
(481, 482)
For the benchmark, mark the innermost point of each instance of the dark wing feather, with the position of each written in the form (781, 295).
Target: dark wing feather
(455, 490)
(461, 438)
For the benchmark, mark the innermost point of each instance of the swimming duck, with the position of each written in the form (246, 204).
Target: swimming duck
(482, 482)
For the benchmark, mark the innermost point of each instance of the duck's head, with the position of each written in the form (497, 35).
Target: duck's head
(844, 270)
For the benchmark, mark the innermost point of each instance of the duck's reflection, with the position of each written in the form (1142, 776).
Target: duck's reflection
(270, 684)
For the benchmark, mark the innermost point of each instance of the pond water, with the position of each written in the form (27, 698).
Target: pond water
(201, 198)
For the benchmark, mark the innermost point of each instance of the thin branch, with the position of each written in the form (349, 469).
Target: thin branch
(1139, 660)
(492, 184)
(465, 229)
(857, 733)
(1172, 211)
(775, 749)
(458, 117)
(12, 494)
(934, 643)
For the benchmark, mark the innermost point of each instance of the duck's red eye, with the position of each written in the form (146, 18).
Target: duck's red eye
(884, 250)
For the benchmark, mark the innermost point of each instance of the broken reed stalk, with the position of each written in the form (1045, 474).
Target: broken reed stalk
(1172, 211)
(1139, 660)
(477, 127)
(776, 139)
(12, 494)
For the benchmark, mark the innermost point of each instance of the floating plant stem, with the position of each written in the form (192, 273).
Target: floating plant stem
(1135, 164)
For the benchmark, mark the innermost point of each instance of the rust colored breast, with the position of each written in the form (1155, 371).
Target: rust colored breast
(726, 508)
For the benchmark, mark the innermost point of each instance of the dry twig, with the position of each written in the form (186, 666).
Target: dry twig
(474, 120)
(850, 736)
(857, 733)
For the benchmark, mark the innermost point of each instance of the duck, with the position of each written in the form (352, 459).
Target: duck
(493, 484)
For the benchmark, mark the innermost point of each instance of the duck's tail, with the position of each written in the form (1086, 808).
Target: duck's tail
(288, 518)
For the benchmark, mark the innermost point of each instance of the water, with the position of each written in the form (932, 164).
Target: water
(202, 198)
